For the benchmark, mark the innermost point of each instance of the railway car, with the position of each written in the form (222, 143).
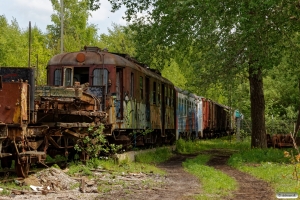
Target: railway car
(134, 97)
(188, 115)
(91, 88)
(217, 119)
(199, 117)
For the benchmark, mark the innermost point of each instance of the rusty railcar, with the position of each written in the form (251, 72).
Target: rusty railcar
(19, 141)
(85, 88)
(40, 120)
(134, 97)
(217, 120)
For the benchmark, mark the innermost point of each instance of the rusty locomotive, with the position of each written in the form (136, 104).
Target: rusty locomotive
(89, 88)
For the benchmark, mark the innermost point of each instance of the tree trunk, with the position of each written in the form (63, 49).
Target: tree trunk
(298, 118)
(258, 136)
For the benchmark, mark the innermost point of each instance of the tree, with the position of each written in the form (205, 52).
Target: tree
(118, 40)
(13, 44)
(77, 31)
(233, 36)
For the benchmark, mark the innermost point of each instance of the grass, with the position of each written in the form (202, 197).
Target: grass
(270, 165)
(154, 157)
(215, 184)
(10, 185)
(267, 164)
(187, 147)
(145, 162)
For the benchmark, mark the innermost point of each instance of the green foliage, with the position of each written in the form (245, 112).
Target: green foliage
(118, 40)
(215, 184)
(55, 166)
(95, 143)
(142, 132)
(57, 158)
(154, 157)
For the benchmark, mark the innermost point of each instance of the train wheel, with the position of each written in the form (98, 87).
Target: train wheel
(22, 167)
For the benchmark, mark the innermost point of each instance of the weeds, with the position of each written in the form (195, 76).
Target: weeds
(154, 157)
(5, 192)
(95, 143)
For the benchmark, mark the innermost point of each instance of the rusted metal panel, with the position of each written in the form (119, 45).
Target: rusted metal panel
(24, 102)
(49, 91)
(205, 114)
(155, 117)
(13, 105)
(22, 74)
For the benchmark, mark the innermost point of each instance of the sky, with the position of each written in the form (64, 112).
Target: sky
(38, 12)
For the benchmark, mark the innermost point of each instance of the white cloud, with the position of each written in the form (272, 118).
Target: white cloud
(39, 13)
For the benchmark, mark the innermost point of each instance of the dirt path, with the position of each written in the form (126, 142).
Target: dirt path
(176, 185)
(250, 188)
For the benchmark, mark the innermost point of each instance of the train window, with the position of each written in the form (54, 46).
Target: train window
(68, 77)
(166, 95)
(0, 82)
(158, 94)
(132, 85)
(185, 107)
(172, 97)
(154, 92)
(57, 77)
(100, 77)
(141, 87)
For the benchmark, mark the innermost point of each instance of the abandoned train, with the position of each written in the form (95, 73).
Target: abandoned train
(93, 87)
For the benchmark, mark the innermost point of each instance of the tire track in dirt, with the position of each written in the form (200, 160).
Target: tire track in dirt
(182, 184)
(249, 187)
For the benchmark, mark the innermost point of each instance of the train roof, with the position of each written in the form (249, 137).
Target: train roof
(187, 93)
(96, 56)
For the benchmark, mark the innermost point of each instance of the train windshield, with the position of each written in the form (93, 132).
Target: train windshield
(57, 77)
(100, 77)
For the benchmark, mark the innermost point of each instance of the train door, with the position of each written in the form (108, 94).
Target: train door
(163, 109)
(68, 76)
(119, 93)
(147, 93)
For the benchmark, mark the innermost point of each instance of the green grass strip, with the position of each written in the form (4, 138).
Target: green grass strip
(214, 183)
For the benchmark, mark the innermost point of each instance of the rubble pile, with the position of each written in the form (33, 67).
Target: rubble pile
(55, 179)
